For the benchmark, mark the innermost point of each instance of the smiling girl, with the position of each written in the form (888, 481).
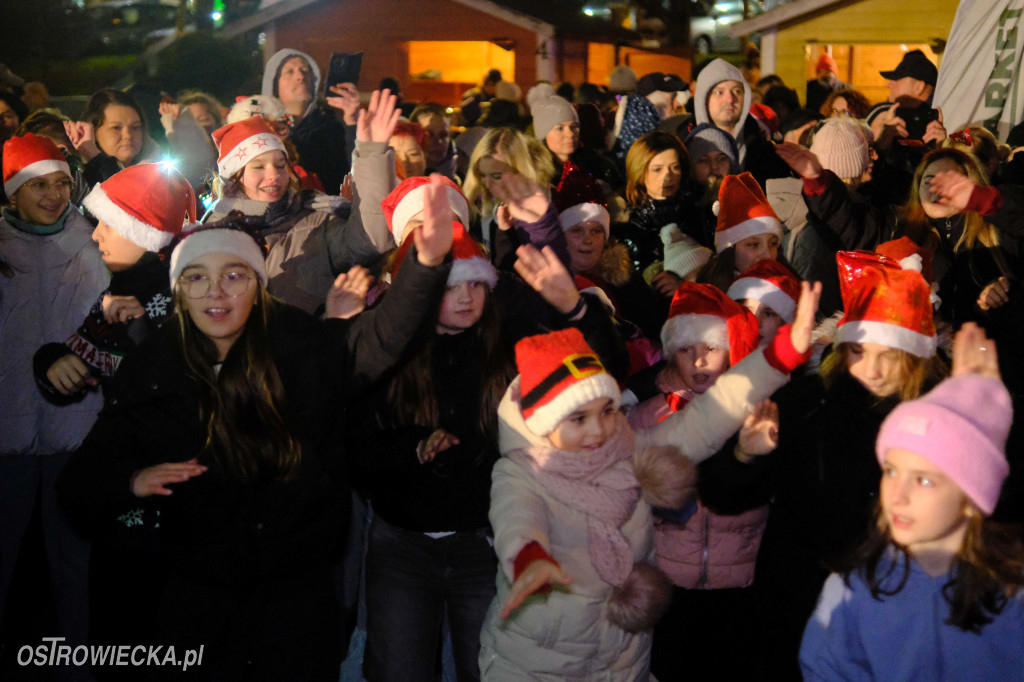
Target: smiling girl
(310, 237)
(935, 575)
(231, 416)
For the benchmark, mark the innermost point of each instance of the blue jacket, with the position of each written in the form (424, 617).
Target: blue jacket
(853, 636)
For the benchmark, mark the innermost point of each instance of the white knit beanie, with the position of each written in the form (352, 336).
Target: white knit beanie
(683, 254)
(841, 148)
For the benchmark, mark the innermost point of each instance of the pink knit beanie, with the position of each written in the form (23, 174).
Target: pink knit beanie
(961, 427)
(841, 148)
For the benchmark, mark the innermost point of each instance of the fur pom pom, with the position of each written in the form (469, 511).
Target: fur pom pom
(637, 604)
(667, 477)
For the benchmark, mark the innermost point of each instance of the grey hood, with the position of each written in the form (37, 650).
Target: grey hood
(274, 64)
(714, 73)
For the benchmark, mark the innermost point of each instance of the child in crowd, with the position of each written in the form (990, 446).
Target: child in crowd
(140, 210)
(707, 551)
(937, 590)
(770, 291)
(747, 231)
(570, 505)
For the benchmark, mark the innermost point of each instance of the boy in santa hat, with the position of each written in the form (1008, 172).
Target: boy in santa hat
(570, 505)
(141, 209)
(770, 291)
(50, 274)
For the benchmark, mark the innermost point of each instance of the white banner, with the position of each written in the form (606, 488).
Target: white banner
(979, 80)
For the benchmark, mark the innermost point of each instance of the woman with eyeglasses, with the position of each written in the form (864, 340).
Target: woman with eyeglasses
(233, 418)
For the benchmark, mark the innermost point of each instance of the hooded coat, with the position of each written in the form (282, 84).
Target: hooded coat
(566, 633)
(324, 143)
(756, 153)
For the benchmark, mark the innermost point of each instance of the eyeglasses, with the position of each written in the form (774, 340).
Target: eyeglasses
(841, 112)
(41, 187)
(232, 284)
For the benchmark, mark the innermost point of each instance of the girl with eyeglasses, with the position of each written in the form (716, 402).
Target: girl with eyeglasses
(233, 418)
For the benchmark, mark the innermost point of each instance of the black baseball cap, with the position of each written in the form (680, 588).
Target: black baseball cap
(915, 65)
(666, 82)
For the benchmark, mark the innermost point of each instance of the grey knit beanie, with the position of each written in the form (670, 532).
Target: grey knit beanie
(549, 112)
(708, 138)
(841, 148)
(622, 79)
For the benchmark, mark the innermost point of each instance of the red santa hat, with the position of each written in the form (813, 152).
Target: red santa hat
(909, 255)
(579, 198)
(147, 204)
(239, 143)
(885, 304)
(743, 211)
(30, 156)
(408, 198)
(703, 313)
(559, 372)
(469, 263)
(771, 283)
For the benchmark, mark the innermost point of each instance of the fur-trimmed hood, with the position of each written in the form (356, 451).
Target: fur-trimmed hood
(615, 266)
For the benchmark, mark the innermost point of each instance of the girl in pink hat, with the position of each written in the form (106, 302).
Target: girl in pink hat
(937, 589)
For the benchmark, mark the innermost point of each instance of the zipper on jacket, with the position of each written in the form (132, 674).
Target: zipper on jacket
(702, 583)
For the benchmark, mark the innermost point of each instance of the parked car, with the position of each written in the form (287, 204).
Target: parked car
(126, 26)
(710, 22)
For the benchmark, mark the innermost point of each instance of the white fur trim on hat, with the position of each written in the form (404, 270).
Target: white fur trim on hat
(128, 226)
(690, 329)
(247, 150)
(748, 228)
(892, 335)
(474, 269)
(546, 418)
(35, 170)
(204, 241)
(767, 293)
(581, 213)
(412, 203)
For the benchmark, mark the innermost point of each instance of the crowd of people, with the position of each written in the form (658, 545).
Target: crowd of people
(658, 380)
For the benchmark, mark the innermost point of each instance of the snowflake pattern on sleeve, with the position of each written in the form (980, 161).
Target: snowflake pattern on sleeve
(157, 306)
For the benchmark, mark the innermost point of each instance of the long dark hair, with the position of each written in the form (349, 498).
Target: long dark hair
(987, 571)
(411, 395)
(243, 405)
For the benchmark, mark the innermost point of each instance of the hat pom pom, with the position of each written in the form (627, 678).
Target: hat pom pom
(669, 233)
(913, 262)
(666, 476)
(637, 604)
(714, 208)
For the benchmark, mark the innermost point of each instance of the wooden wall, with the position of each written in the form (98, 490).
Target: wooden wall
(381, 31)
(888, 23)
(859, 65)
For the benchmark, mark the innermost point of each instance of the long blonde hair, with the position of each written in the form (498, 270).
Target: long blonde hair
(527, 156)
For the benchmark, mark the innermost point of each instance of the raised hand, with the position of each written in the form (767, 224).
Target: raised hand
(538, 574)
(121, 309)
(69, 375)
(887, 126)
(153, 480)
(377, 122)
(803, 322)
(974, 353)
(347, 297)
(83, 139)
(802, 160)
(434, 236)
(346, 191)
(439, 441)
(345, 99)
(527, 201)
(950, 188)
(543, 271)
(759, 434)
